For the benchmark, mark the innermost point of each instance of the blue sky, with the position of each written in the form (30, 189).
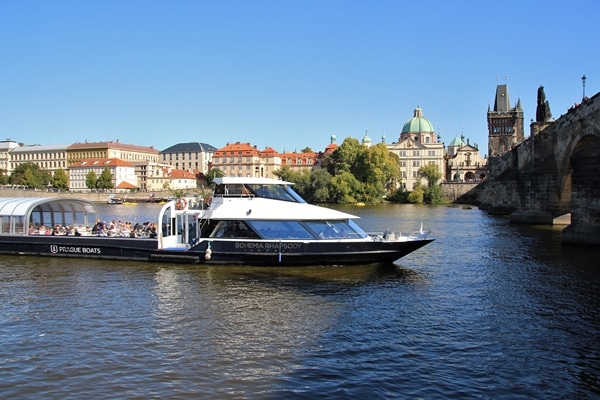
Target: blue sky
(285, 74)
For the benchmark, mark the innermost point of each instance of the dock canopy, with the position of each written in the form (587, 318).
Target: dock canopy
(18, 214)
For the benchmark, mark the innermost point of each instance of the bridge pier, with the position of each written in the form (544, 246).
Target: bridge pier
(585, 197)
(532, 217)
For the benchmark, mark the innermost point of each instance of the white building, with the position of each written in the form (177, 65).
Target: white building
(123, 174)
(6, 146)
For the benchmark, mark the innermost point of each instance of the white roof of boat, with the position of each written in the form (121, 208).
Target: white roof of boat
(231, 180)
(240, 208)
(24, 205)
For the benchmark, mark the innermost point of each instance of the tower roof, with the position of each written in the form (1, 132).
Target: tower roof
(418, 123)
(502, 102)
(456, 142)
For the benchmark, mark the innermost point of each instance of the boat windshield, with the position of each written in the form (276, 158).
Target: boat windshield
(336, 229)
(277, 192)
(307, 229)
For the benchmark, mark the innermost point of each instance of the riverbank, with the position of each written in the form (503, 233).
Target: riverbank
(99, 197)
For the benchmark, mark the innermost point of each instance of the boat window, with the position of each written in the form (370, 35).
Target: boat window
(233, 229)
(19, 226)
(336, 229)
(6, 224)
(277, 192)
(280, 229)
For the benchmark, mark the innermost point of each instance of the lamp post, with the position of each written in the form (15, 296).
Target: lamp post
(583, 79)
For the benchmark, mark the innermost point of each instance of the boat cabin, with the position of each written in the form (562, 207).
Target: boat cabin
(21, 215)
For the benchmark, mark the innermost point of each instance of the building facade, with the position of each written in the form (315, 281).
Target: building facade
(244, 160)
(6, 146)
(123, 174)
(505, 124)
(49, 158)
(132, 153)
(464, 163)
(418, 145)
(193, 156)
(166, 177)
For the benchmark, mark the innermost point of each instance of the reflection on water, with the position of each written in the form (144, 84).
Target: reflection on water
(488, 310)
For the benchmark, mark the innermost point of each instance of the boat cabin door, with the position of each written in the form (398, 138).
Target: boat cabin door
(177, 229)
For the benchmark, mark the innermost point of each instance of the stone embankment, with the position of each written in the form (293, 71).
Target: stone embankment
(141, 197)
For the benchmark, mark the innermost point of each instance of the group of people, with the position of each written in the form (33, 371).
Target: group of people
(124, 229)
(58, 229)
(100, 228)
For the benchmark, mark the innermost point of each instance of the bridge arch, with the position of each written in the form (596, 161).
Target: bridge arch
(583, 135)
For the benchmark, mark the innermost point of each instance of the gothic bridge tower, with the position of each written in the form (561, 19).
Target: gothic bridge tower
(505, 124)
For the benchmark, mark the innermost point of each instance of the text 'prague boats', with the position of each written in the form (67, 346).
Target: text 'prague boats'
(249, 221)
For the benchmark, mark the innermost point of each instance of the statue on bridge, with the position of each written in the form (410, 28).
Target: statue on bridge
(542, 113)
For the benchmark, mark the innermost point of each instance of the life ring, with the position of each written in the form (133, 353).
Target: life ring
(181, 203)
(208, 200)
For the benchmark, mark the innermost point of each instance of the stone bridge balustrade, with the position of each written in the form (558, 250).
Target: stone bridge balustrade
(553, 173)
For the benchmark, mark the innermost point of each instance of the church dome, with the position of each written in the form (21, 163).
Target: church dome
(418, 123)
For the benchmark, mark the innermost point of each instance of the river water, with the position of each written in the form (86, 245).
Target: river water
(488, 310)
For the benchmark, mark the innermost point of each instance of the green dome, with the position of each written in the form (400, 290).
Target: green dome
(418, 123)
(366, 138)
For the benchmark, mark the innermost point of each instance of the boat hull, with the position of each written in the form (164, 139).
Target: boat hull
(222, 252)
(298, 253)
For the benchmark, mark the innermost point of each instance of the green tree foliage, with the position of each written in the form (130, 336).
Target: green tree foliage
(3, 177)
(29, 174)
(417, 196)
(60, 179)
(431, 172)
(432, 193)
(91, 180)
(212, 174)
(345, 188)
(301, 180)
(320, 184)
(105, 181)
(344, 157)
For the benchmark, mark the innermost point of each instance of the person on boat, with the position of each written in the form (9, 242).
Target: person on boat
(97, 226)
(152, 230)
(112, 229)
(102, 229)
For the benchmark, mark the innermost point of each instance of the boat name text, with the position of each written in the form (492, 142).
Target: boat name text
(74, 249)
(268, 246)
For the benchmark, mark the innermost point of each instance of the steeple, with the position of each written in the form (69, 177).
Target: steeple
(502, 102)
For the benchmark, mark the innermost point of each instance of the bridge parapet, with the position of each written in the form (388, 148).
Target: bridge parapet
(552, 173)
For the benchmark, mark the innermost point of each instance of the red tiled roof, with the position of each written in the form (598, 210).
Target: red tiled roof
(126, 185)
(113, 145)
(244, 149)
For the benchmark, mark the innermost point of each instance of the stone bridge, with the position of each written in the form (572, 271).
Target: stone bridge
(552, 175)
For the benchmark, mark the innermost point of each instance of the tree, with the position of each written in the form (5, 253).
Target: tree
(432, 193)
(346, 188)
(379, 171)
(212, 174)
(105, 181)
(29, 174)
(344, 157)
(60, 179)
(301, 180)
(320, 184)
(417, 196)
(431, 172)
(91, 180)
